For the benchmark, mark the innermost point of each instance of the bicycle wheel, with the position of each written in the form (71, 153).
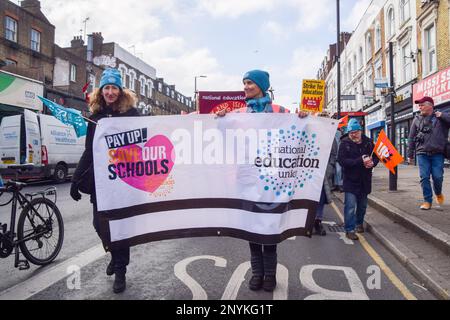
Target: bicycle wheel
(41, 238)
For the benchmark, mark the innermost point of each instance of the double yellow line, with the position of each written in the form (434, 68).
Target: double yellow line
(380, 262)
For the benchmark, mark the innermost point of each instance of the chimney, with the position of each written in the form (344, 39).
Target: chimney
(32, 6)
(77, 42)
(97, 43)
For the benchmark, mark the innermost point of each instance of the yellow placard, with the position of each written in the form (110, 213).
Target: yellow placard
(313, 95)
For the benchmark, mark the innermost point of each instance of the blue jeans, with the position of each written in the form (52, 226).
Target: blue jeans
(354, 210)
(434, 166)
(338, 175)
(321, 206)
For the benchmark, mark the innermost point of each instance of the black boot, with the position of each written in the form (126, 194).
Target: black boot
(318, 228)
(269, 284)
(120, 283)
(110, 268)
(255, 283)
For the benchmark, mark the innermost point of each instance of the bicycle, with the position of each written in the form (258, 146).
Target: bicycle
(40, 228)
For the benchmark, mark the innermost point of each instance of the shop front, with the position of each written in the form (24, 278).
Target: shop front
(436, 86)
(375, 121)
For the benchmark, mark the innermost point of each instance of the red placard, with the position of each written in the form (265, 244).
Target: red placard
(213, 101)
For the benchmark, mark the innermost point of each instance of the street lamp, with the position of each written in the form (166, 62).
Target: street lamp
(195, 89)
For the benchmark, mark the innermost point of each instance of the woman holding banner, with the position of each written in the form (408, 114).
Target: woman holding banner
(109, 100)
(263, 257)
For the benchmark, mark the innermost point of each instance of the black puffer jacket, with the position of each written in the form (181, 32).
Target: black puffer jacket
(434, 131)
(87, 159)
(357, 179)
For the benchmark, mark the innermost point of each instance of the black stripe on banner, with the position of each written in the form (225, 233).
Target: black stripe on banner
(211, 232)
(213, 203)
(275, 208)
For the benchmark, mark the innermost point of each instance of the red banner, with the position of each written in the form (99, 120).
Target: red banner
(436, 86)
(214, 101)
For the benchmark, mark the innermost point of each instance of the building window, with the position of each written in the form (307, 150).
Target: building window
(378, 37)
(369, 79)
(150, 89)
(391, 23)
(173, 94)
(430, 49)
(35, 40)
(355, 68)
(404, 10)
(360, 58)
(160, 87)
(10, 29)
(10, 62)
(142, 86)
(92, 83)
(368, 46)
(168, 91)
(73, 73)
(406, 62)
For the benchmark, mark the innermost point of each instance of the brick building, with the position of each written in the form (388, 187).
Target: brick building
(26, 41)
(154, 96)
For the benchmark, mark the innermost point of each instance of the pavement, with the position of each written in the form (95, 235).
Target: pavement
(419, 239)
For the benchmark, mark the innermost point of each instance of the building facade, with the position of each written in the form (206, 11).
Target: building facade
(420, 35)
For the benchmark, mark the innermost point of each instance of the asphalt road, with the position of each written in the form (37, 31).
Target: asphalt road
(329, 267)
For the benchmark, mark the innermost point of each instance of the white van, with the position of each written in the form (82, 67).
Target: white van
(42, 140)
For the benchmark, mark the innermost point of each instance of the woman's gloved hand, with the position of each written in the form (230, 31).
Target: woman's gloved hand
(74, 193)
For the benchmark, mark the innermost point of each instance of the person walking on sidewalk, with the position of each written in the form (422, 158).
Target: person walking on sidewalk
(354, 156)
(428, 137)
(109, 100)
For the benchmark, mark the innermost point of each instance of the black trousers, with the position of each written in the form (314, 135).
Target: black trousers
(120, 258)
(263, 259)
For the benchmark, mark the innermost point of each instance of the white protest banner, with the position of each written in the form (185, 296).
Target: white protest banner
(256, 177)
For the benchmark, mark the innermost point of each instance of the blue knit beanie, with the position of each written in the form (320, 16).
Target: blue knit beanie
(353, 125)
(111, 76)
(260, 78)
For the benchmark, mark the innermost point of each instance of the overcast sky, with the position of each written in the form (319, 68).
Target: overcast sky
(221, 39)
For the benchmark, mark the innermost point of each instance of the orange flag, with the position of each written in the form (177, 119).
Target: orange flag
(343, 122)
(386, 152)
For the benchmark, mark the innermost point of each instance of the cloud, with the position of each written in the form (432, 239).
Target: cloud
(275, 29)
(234, 8)
(356, 13)
(287, 82)
(178, 64)
(131, 23)
(312, 14)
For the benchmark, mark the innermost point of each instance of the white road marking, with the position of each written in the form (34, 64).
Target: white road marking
(357, 291)
(292, 238)
(198, 293)
(330, 223)
(36, 284)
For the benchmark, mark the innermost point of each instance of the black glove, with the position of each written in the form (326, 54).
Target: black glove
(74, 193)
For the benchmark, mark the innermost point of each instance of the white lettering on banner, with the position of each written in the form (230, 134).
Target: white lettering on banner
(436, 86)
(357, 291)
(190, 162)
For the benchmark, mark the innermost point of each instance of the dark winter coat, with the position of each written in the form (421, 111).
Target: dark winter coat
(357, 179)
(87, 160)
(434, 131)
(328, 179)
